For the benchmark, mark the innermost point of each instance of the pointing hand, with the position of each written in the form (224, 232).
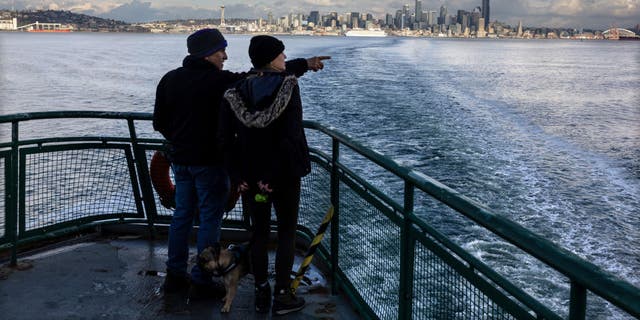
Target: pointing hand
(315, 63)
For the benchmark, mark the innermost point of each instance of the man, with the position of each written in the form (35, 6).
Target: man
(186, 114)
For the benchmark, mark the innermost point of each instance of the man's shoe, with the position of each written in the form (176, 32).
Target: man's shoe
(285, 301)
(175, 284)
(175, 289)
(211, 290)
(263, 297)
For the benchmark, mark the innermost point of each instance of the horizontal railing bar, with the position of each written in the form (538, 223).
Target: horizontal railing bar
(57, 233)
(104, 139)
(66, 140)
(75, 114)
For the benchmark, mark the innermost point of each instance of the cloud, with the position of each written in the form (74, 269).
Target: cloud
(95, 7)
(136, 11)
(598, 14)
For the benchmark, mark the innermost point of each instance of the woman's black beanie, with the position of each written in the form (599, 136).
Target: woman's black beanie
(263, 49)
(205, 42)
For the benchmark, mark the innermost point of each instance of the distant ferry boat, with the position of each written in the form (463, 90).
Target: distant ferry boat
(365, 33)
(45, 27)
(49, 30)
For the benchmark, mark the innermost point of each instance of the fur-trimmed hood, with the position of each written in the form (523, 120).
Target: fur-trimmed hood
(260, 99)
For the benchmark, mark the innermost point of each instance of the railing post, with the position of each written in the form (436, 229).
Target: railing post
(12, 194)
(578, 302)
(144, 180)
(335, 226)
(407, 247)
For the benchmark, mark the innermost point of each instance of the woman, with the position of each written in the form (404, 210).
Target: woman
(266, 152)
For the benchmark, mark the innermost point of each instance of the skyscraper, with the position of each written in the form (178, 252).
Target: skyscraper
(485, 13)
(314, 17)
(389, 20)
(418, 10)
(442, 20)
(222, 16)
(355, 20)
(519, 34)
(433, 17)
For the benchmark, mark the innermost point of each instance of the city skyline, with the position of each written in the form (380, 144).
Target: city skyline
(595, 14)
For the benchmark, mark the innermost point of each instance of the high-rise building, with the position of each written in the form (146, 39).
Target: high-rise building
(284, 22)
(433, 18)
(519, 32)
(330, 20)
(346, 19)
(442, 20)
(222, 16)
(399, 17)
(481, 31)
(355, 20)
(463, 19)
(405, 9)
(314, 17)
(475, 18)
(485, 13)
(418, 10)
(460, 16)
(406, 14)
(389, 20)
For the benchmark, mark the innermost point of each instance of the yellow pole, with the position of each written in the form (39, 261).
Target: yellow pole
(312, 249)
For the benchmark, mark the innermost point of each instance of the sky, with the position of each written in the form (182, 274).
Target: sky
(592, 14)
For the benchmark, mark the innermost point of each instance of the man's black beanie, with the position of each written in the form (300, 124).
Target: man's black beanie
(205, 42)
(263, 49)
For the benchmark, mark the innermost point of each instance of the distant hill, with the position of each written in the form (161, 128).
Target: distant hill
(80, 22)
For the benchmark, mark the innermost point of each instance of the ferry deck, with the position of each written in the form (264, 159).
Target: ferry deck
(117, 273)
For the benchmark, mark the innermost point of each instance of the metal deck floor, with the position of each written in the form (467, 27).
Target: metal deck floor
(120, 278)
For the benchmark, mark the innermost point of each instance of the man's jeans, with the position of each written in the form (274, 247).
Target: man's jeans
(203, 188)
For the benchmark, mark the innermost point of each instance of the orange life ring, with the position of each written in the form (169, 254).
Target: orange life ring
(161, 181)
(159, 172)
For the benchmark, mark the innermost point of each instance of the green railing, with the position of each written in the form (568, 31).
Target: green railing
(381, 251)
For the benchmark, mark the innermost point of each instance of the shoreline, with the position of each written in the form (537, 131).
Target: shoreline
(312, 34)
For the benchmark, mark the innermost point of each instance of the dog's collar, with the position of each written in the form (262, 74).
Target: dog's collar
(221, 272)
(237, 252)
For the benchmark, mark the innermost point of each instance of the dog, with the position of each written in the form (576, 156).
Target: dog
(231, 264)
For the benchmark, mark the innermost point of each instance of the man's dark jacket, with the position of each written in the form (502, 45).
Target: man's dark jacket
(187, 107)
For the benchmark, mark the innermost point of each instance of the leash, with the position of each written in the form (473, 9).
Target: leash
(312, 249)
